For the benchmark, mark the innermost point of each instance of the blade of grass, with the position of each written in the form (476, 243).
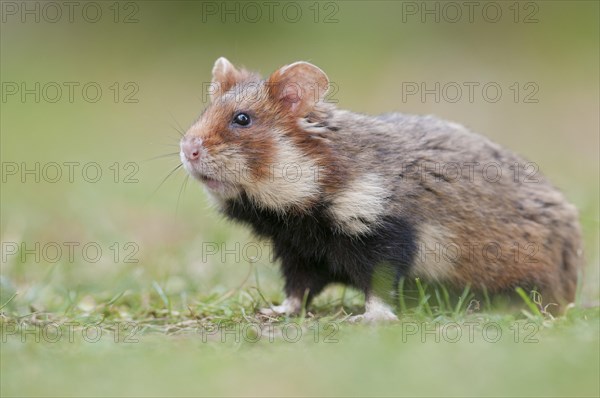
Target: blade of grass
(162, 295)
(578, 289)
(401, 301)
(486, 298)
(9, 300)
(530, 304)
(343, 298)
(441, 305)
(115, 298)
(303, 308)
(461, 300)
(447, 297)
(424, 299)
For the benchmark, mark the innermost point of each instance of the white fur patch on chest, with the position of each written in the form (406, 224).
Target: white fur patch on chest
(292, 180)
(360, 205)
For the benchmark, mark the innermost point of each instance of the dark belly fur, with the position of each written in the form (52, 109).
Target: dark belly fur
(313, 254)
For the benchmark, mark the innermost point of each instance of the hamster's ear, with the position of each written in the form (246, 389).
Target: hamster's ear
(224, 77)
(299, 86)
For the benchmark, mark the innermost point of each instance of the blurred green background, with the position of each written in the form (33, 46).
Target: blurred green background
(156, 56)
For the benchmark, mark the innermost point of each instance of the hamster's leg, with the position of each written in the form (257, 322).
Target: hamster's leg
(301, 276)
(376, 310)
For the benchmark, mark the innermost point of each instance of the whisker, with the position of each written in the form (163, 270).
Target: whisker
(180, 129)
(175, 120)
(166, 143)
(181, 190)
(162, 156)
(181, 132)
(165, 179)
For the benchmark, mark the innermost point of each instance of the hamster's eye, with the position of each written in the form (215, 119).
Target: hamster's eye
(241, 119)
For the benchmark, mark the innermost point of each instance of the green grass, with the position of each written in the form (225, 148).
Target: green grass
(145, 340)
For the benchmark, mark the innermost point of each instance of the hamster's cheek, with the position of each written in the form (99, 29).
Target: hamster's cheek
(233, 167)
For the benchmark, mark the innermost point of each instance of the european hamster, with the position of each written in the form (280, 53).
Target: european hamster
(347, 197)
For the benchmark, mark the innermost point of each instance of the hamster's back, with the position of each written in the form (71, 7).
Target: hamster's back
(485, 216)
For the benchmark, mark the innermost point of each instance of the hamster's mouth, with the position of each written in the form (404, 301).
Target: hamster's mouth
(215, 185)
(211, 183)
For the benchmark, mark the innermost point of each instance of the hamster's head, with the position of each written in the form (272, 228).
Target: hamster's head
(252, 138)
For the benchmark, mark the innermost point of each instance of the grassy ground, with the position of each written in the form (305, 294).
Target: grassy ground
(145, 342)
(112, 287)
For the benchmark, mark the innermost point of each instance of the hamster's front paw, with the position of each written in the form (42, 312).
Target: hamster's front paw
(276, 310)
(288, 307)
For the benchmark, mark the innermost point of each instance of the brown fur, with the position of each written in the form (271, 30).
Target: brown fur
(373, 159)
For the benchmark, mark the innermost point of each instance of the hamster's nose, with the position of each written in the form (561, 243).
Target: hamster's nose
(191, 148)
